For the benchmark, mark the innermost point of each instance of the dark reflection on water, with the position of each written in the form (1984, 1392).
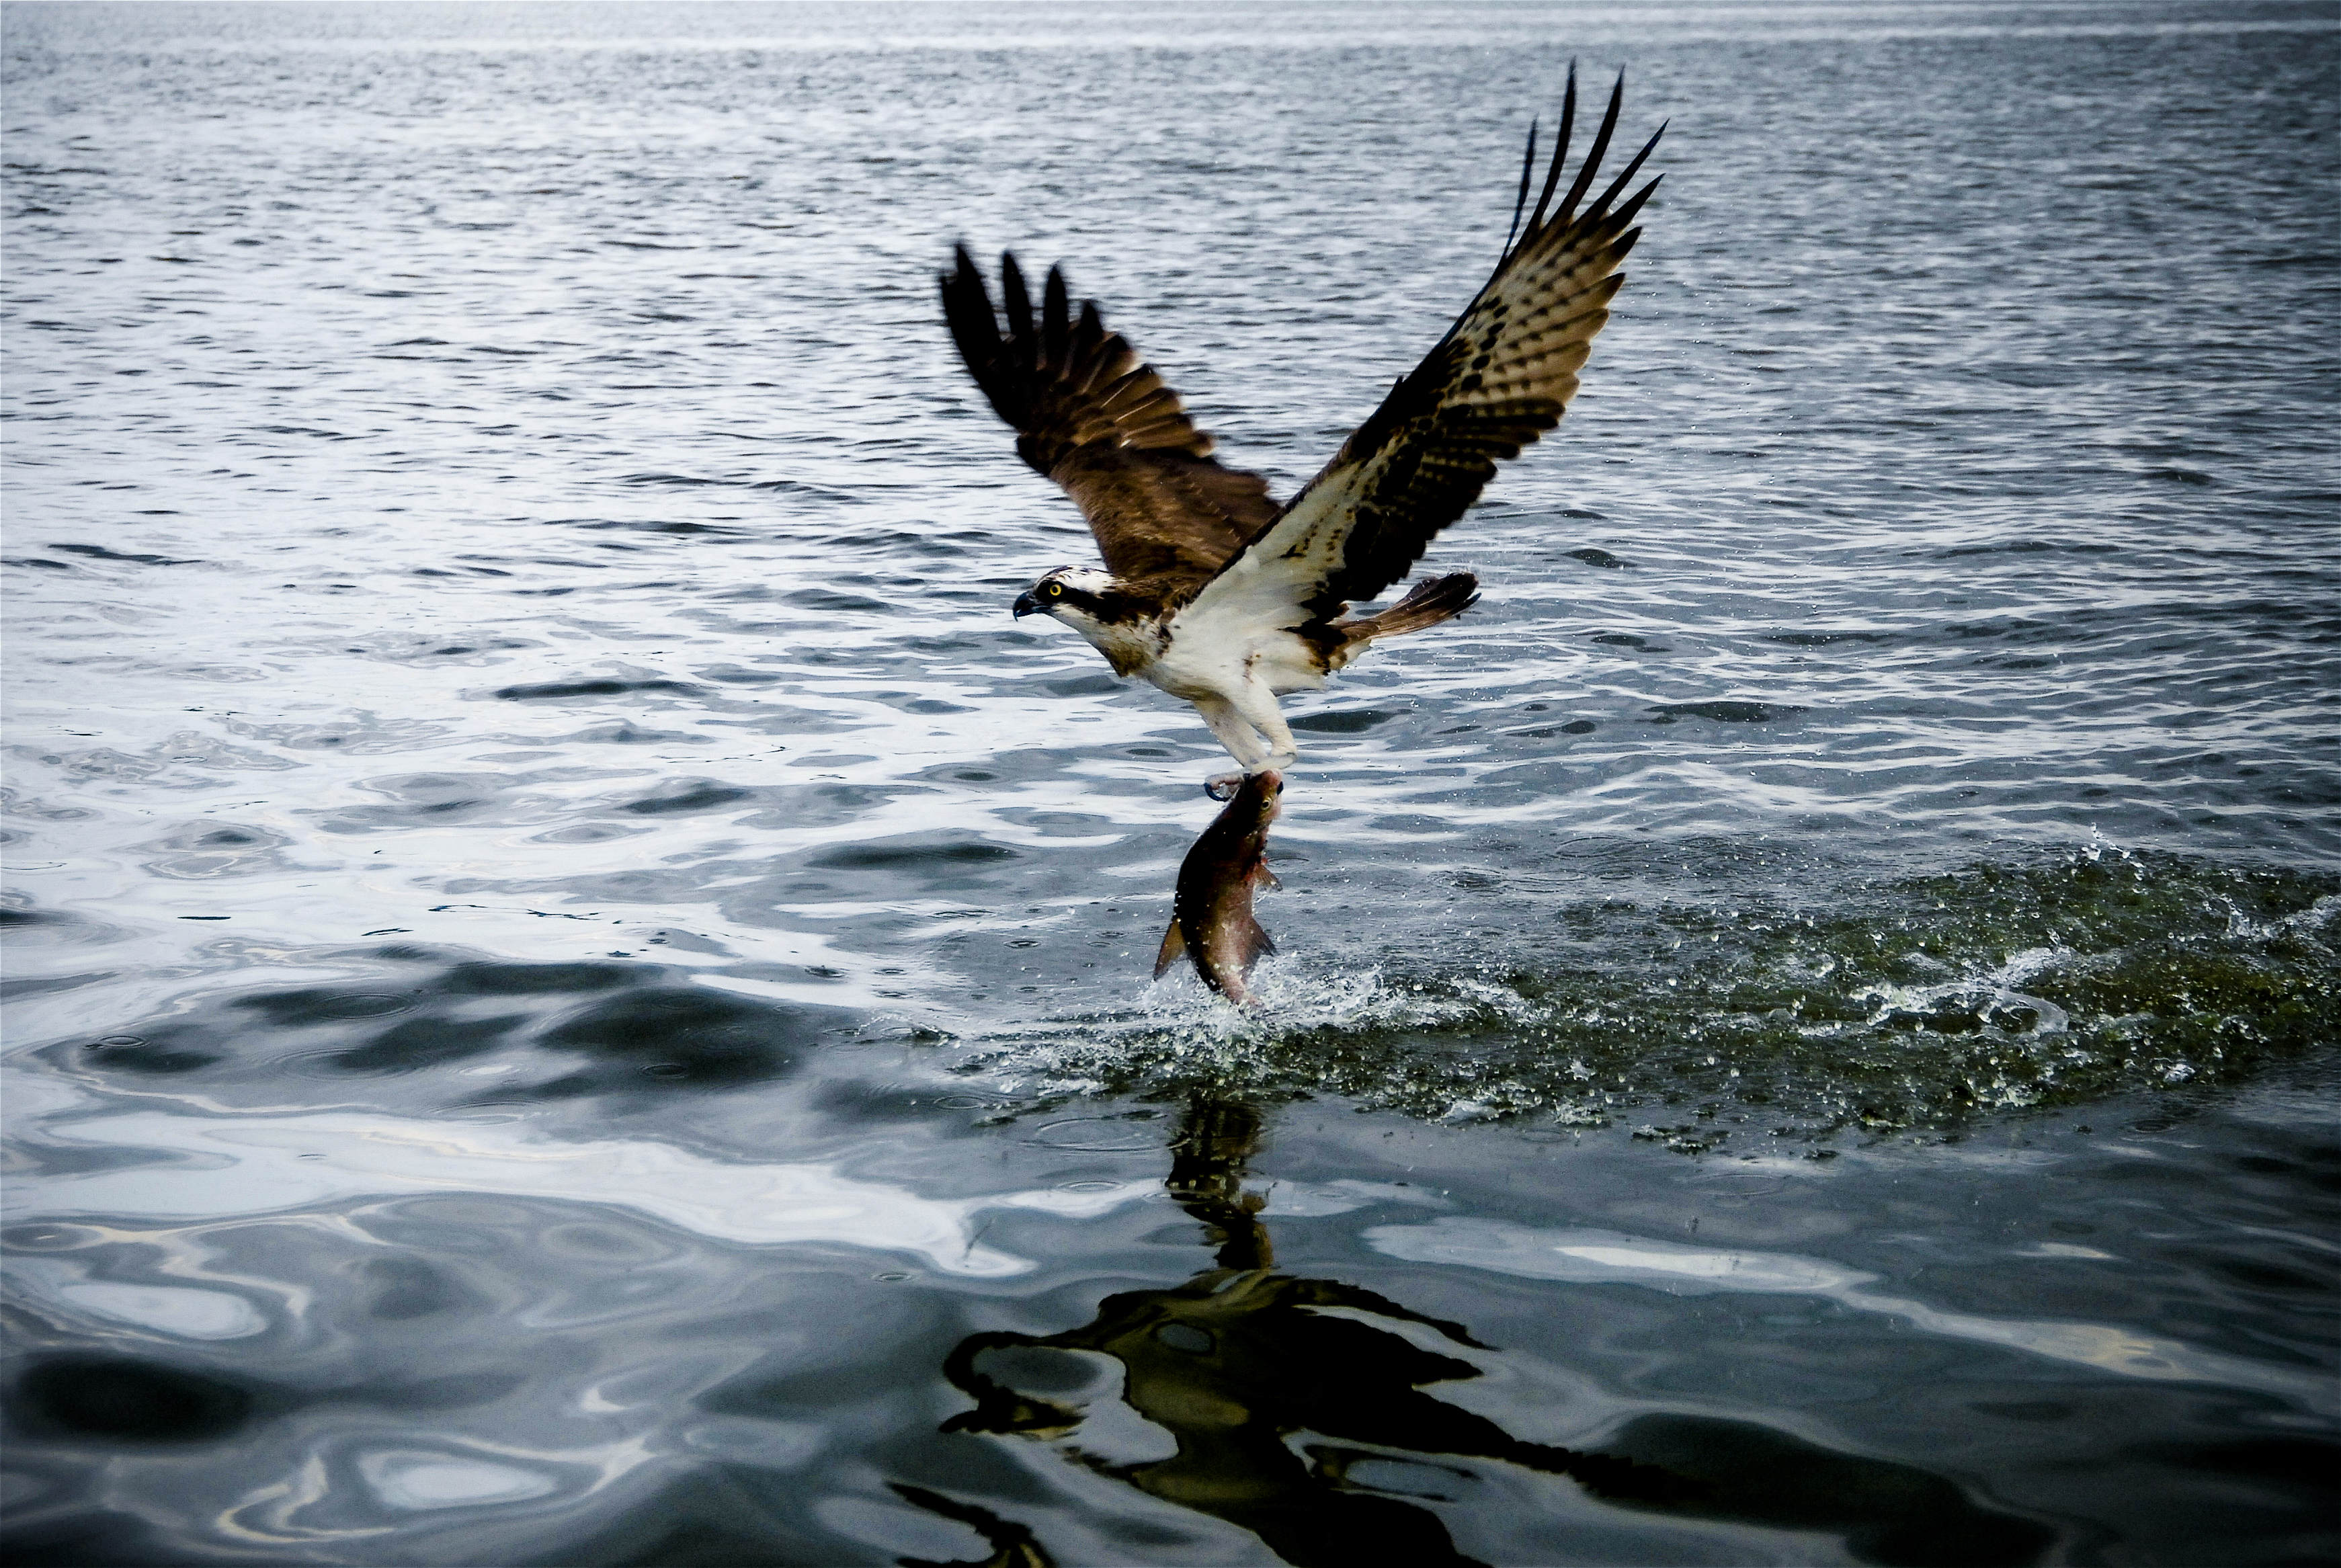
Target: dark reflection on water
(640, 1029)
(127, 1401)
(1237, 1361)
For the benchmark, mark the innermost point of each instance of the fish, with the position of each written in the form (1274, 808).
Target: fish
(1211, 916)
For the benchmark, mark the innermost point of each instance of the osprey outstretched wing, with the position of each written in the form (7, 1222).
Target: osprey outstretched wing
(1102, 425)
(1211, 591)
(1496, 382)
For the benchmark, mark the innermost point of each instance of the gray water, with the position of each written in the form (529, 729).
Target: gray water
(580, 990)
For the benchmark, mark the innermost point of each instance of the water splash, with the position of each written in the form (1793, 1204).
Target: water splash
(1919, 1002)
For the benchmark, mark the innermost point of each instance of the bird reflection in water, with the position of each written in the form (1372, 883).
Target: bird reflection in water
(1236, 1360)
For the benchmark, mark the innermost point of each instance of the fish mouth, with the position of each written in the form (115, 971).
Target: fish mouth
(1268, 783)
(1025, 606)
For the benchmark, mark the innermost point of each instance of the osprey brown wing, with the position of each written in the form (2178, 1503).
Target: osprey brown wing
(1500, 379)
(1102, 424)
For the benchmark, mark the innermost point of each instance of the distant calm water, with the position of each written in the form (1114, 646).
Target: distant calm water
(579, 989)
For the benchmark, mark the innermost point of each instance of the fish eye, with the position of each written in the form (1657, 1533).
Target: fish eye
(1056, 590)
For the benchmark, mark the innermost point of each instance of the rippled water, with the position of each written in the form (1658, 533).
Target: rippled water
(578, 988)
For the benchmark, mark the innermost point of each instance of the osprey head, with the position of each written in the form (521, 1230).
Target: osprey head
(1070, 594)
(1095, 602)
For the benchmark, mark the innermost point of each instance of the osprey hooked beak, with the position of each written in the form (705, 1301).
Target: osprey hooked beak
(1025, 606)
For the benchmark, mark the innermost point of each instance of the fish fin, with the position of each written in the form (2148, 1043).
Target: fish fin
(1174, 943)
(1257, 941)
(1263, 877)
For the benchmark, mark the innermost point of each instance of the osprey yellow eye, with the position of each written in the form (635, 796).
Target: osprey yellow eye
(1056, 590)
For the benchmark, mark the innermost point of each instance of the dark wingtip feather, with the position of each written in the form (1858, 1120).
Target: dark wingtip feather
(1559, 150)
(1528, 172)
(1014, 297)
(967, 308)
(955, 286)
(1594, 154)
(1619, 183)
(1625, 214)
(1056, 316)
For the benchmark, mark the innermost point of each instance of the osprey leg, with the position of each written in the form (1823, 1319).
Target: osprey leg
(1237, 731)
(1257, 703)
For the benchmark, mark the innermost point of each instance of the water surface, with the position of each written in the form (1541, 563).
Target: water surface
(579, 987)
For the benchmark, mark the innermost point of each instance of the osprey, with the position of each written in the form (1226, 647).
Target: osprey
(1211, 590)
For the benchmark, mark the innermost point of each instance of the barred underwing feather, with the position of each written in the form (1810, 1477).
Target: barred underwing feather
(1501, 377)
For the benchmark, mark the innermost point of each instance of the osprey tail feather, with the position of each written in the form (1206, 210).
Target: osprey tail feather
(1428, 603)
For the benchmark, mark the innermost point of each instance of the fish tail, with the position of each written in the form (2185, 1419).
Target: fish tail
(1174, 945)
